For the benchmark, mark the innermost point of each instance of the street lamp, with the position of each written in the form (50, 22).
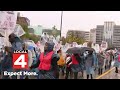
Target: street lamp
(61, 24)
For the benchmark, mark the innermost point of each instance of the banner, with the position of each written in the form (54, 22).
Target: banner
(8, 19)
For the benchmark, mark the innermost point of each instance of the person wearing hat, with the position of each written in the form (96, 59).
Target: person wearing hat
(16, 42)
(47, 62)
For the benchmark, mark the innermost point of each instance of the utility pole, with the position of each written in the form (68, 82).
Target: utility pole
(61, 24)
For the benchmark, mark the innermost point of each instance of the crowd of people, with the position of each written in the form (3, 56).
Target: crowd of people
(52, 65)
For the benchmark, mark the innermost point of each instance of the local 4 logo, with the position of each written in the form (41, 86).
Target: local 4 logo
(20, 59)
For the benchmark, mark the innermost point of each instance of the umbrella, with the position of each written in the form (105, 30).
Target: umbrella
(73, 50)
(1, 35)
(83, 49)
(113, 48)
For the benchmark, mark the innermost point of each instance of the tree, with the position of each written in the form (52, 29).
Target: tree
(26, 35)
(34, 38)
(63, 39)
(55, 31)
(29, 36)
(89, 44)
(71, 38)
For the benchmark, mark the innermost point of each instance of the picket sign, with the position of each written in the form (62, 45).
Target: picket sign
(7, 23)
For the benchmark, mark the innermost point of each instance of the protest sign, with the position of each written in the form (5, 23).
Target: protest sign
(7, 23)
(18, 30)
(8, 19)
(104, 45)
(85, 44)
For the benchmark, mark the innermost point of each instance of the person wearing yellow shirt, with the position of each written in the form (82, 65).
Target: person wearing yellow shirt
(61, 62)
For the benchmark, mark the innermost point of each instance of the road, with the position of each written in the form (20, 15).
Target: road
(108, 74)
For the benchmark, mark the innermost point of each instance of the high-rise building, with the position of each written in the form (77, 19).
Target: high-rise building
(116, 36)
(108, 32)
(99, 34)
(93, 35)
(87, 36)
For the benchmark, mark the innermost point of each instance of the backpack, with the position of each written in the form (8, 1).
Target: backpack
(119, 57)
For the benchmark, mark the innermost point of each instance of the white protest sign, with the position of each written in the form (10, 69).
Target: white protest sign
(18, 30)
(97, 48)
(74, 44)
(104, 45)
(85, 44)
(7, 23)
(8, 19)
(2, 31)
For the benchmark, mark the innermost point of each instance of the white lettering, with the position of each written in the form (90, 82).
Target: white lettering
(5, 72)
(29, 73)
(12, 73)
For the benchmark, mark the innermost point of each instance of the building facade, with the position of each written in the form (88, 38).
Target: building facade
(99, 34)
(108, 32)
(116, 36)
(93, 35)
(23, 20)
(51, 32)
(87, 36)
(37, 29)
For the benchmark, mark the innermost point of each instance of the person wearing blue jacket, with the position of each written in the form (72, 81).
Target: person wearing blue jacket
(17, 44)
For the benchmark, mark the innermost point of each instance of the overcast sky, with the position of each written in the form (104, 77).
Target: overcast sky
(78, 20)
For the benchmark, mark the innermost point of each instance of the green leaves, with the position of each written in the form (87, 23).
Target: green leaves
(29, 36)
(72, 38)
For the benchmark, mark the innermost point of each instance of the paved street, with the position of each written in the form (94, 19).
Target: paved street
(108, 74)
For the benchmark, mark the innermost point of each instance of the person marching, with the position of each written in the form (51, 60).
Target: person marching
(75, 66)
(61, 62)
(68, 61)
(101, 62)
(89, 64)
(117, 61)
(47, 62)
(107, 58)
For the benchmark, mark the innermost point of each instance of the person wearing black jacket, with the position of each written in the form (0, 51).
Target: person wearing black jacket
(47, 63)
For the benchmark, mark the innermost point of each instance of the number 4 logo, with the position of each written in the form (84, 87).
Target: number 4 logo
(20, 61)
